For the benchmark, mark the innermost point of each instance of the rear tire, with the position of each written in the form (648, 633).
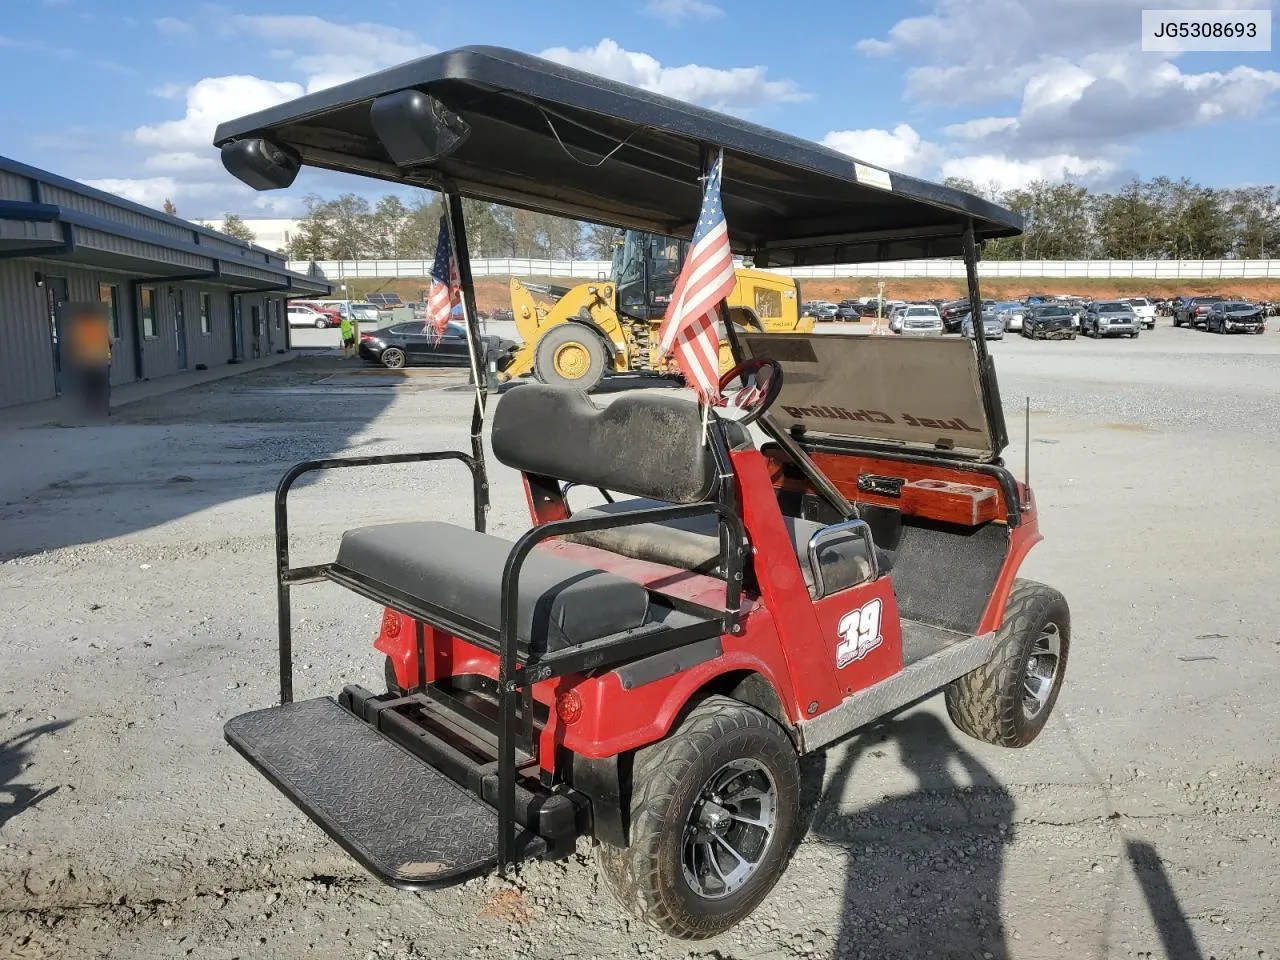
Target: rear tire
(570, 355)
(393, 358)
(665, 877)
(995, 703)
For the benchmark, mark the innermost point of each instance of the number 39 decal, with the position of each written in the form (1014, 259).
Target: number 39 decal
(859, 632)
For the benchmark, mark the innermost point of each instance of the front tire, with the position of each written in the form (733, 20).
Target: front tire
(322, 324)
(1007, 700)
(570, 355)
(714, 819)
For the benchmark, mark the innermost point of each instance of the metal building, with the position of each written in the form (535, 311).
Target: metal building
(180, 296)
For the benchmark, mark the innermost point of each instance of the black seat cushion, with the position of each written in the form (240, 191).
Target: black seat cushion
(693, 543)
(560, 603)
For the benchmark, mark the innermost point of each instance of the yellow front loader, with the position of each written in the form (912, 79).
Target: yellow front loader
(574, 336)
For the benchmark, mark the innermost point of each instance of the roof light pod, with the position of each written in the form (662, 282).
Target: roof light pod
(416, 128)
(261, 164)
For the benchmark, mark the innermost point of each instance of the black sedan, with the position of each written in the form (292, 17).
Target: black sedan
(405, 345)
(1049, 322)
(1235, 316)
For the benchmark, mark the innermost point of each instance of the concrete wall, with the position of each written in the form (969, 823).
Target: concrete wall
(26, 346)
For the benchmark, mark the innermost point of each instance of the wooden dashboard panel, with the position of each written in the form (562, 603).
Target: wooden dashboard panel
(930, 491)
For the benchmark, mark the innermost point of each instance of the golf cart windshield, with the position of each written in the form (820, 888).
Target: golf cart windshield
(923, 393)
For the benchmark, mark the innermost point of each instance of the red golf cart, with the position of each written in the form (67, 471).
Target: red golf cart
(838, 542)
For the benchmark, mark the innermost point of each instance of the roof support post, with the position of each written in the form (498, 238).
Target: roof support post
(975, 296)
(475, 348)
(986, 363)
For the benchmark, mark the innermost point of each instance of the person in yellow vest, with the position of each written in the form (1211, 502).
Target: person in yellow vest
(348, 335)
(89, 338)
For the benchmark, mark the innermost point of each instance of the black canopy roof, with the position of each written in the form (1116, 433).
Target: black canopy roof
(505, 126)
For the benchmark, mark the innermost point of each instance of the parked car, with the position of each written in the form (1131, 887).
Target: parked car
(300, 316)
(1011, 314)
(992, 324)
(1049, 321)
(920, 320)
(954, 312)
(332, 312)
(407, 344)
(1110, 318)
(849, 313)
(1192, 311)
(826, 311)
(1235, 316)
(1144, 310)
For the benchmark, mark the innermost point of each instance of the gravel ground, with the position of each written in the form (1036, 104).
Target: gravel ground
(135, 576)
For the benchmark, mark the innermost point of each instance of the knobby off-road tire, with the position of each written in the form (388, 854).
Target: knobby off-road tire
(570, 355)
(668, 779)
(990, 703)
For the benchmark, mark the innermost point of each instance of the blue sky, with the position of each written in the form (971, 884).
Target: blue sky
(126, 95)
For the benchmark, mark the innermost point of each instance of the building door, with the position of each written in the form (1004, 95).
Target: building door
(237, 329)
(180, 325)
(56, 296)
(255, 318)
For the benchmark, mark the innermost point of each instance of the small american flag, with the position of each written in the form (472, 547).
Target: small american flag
(689, 331)
(445, 285)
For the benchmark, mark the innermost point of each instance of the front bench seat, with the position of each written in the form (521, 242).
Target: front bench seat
(693, 543)
(560, 603)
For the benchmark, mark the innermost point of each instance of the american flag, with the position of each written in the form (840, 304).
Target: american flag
(445, 285)
(689, 331)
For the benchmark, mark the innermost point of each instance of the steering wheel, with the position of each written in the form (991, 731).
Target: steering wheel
(761, 380)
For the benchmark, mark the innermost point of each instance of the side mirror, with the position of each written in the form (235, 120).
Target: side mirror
(842, 555)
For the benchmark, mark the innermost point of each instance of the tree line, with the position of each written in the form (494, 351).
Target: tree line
(1154, 219)
(350, 227)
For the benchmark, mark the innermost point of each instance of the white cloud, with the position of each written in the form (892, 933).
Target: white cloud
(180, 162)
(329, 53)
(982, 127)
(174, 27)
(901, 149)
(149, 191)
(209, 102)
(735, 88)
(677, 11)
(1084, 94)
(1009, 174)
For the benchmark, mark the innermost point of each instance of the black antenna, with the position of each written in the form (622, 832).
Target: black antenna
(1026, 468)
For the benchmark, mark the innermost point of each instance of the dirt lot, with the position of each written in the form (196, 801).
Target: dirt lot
(138, 605)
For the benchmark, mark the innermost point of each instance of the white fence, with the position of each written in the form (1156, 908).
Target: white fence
(340, 270)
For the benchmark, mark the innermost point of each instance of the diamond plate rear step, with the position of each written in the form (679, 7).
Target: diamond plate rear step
(405, 822)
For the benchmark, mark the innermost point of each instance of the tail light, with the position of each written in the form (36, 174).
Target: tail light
(569, 706)
(390, 624)
(365, 336)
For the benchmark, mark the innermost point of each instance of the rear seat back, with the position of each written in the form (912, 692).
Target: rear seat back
(642, 445)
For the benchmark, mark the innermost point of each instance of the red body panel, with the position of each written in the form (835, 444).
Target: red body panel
(813, 654)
